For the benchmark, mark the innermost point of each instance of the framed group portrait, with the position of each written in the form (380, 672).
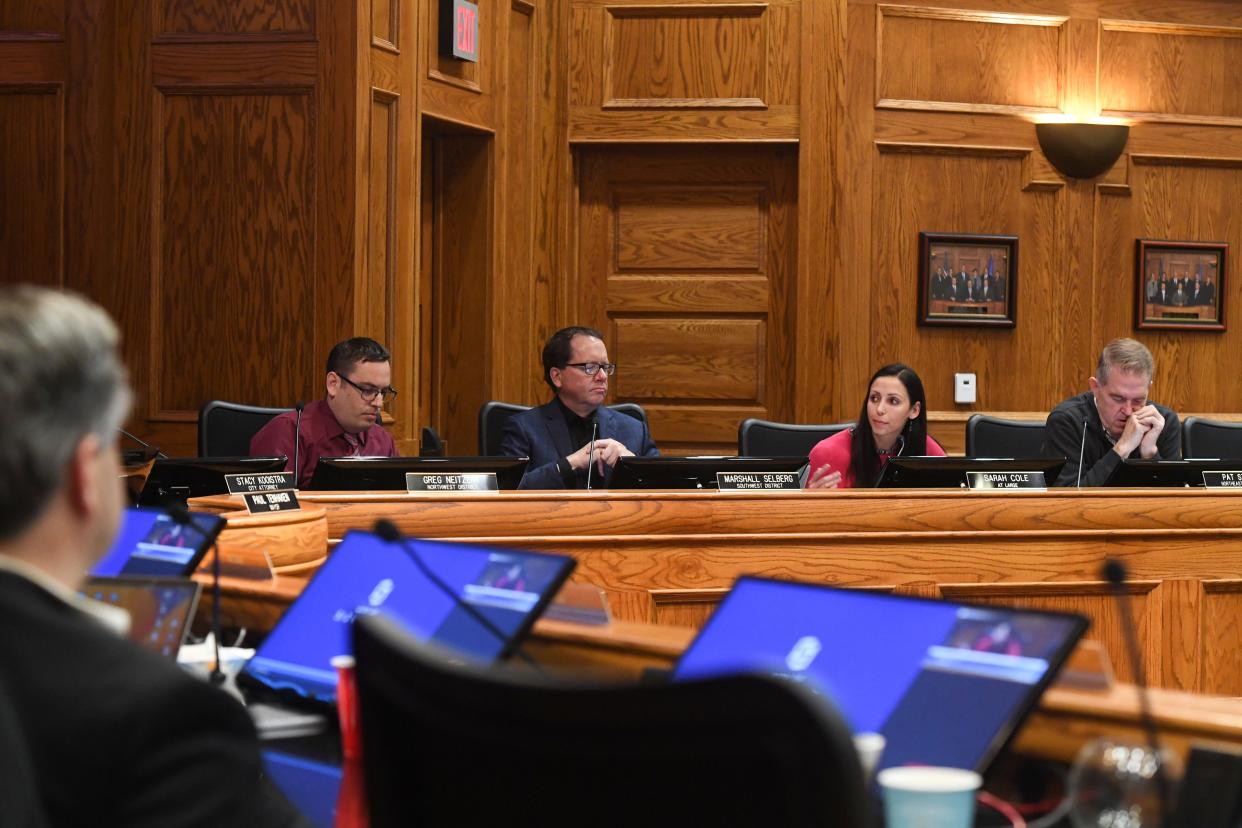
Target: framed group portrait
(1181, 285)
(968, 280)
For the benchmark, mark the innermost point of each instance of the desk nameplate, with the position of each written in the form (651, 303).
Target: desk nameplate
(1029, 480)
(757, 481)
(1222, 479)
(441, 482)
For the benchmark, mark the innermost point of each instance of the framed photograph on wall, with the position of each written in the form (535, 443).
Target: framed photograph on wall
(1181, 285)
(968, 280)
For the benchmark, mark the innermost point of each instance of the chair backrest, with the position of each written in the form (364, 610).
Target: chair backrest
(225, 428)
(763, 438)
(997, 437)
(445, 742)
(494, 414)
(1211, 438)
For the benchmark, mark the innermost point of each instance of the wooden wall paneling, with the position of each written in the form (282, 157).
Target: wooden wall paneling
(1188, 198)
(825, 164)
(983, 61)
(32, 19)
(1222, 628)
(690, 279)
(388, 241)
(32, 203)
(1177, 72)
(458, 91)
(463, 262)
(1179, 611)
(235, 19)
(517, 207)
(684, 72)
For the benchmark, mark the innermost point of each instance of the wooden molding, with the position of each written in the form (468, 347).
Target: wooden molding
(972, 16)
(1187, 29)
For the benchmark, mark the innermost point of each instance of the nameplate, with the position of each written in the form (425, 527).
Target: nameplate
(273, 482)
(441, 482)
(1007, 480)
(282, 501)
(753, 481)
(1222, 479)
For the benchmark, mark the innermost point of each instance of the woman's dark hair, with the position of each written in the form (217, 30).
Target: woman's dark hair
(864, 461)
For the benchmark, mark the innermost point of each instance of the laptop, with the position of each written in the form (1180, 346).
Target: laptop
(945, 683)
(160, 609)
(151, 543)
(388, 473)
(366, 574)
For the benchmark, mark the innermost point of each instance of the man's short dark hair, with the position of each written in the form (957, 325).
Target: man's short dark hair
(559, 349)
(345, 355)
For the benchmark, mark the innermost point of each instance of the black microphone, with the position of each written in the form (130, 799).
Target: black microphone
(388, 531)
(591, 452)
(1081, 447)
(1115, 573)
(181, 515)
(143, 443)
(297, 442)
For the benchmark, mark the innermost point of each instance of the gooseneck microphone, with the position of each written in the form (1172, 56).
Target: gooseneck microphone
(143, 443)
(1081, 447)
(1115, 573)
(297, 443)
(591, 452)
(388, 531)
(181, 516)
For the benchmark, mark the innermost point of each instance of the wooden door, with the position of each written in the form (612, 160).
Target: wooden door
(686, 262)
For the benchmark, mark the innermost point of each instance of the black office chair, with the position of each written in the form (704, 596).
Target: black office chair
(447, 743)
(997, 437)
(1211, 438)
(763, 438)
(494, 414)
(225, 428)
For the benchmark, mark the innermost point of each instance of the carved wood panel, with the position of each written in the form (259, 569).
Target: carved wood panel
(31, 185)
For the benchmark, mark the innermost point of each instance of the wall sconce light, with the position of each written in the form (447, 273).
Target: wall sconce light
(1082, 150)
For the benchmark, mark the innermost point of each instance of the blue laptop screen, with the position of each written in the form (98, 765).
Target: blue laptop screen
(366, 574)
(152, 543)
(946, 684)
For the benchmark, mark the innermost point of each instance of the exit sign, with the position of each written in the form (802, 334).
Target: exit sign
(459, 30)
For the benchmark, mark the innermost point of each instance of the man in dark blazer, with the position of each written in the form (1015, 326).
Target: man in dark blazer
(557, 436)
(114, 734)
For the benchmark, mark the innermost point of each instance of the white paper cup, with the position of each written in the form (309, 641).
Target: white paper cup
(870, 747)
(928, 797)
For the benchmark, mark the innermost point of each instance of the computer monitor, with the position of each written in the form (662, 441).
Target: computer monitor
(387, 473)
(151, 543)
(1137, 473)
(945, 683)
(180, 478)
(160, 609)
(950, 472)
(691, 472)
(366, 575)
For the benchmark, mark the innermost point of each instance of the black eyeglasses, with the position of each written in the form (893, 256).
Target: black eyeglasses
(370, 392)
(589, 368)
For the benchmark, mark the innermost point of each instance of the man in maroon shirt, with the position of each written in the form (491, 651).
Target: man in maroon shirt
(345, 423)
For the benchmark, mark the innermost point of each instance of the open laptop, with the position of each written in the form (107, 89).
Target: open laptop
(366, 574)
(945, 683)
(388, 473)
(160, 609)
(151, 543)
(180, 478)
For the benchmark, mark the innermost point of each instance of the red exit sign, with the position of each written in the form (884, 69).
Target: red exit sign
(459, 30)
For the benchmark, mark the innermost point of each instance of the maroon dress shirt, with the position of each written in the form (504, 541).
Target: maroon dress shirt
(320, 436)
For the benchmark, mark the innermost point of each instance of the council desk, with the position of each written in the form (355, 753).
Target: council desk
(667, 557)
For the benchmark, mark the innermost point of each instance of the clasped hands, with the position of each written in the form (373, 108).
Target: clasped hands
(607, 452)
(1142, 430)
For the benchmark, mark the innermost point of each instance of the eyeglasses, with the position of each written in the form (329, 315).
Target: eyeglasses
(370, 392)
(589, 368)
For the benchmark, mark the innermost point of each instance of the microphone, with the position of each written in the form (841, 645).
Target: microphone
(297, 443)
(591, 453)
(1081, 447)
(388, 531)
(1115, 573)
(143, 443)
(181, 515)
